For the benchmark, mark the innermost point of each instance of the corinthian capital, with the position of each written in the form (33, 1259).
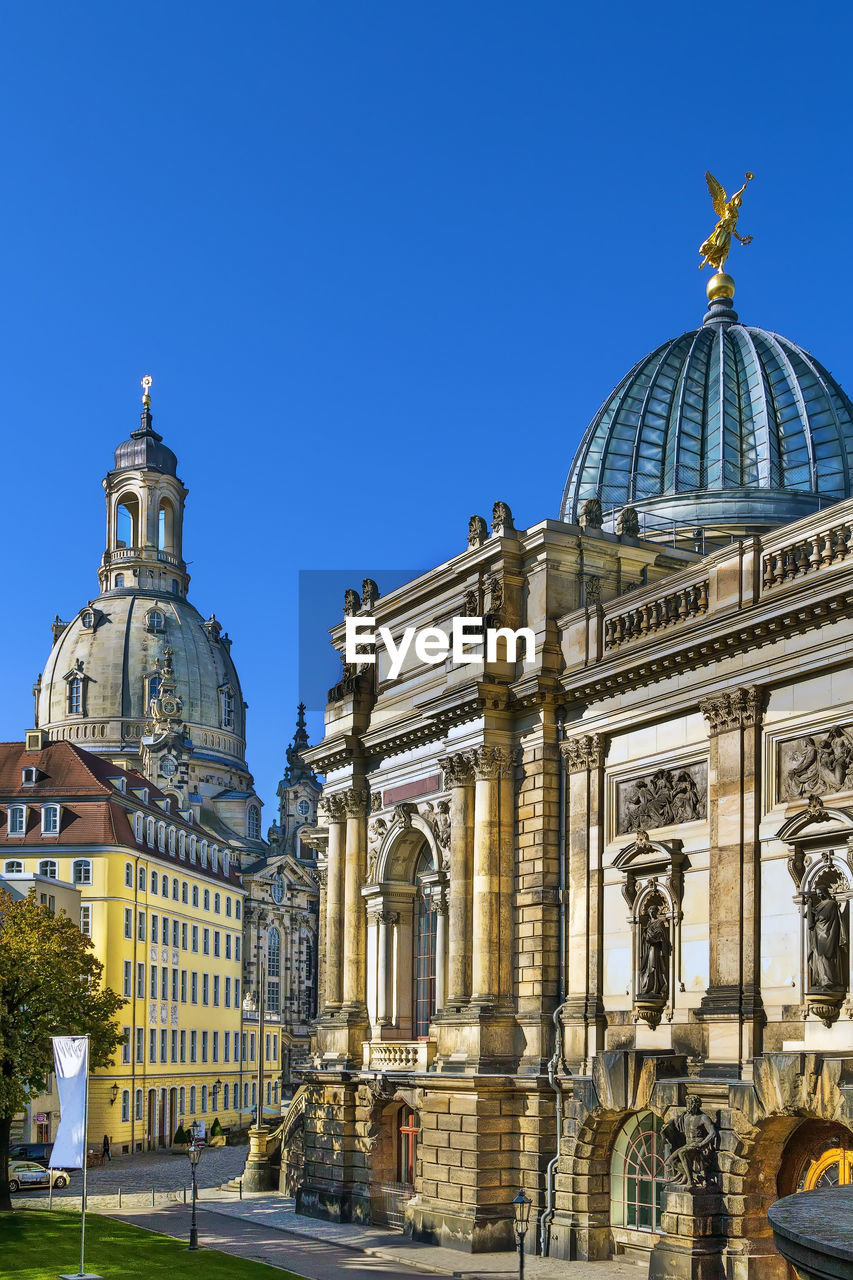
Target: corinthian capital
(587, 751)
(334, 808)
(739, 708)
(356, 802)
(457, 769)
(491, 762)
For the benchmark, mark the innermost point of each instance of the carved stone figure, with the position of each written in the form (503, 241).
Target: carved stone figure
(376, 831)
(502, 520)
(369, 593)
(591, 516)
(628, 523)
(827, 939)
(694, 1139)
(815, 765)
(478, 531)
(352, 602)
(661, 799)
(655, 951)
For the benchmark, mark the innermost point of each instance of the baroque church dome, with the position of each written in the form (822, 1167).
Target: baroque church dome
(728, 427)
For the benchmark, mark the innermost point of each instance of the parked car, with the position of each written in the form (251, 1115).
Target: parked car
(39, 1151)
(26, 1173)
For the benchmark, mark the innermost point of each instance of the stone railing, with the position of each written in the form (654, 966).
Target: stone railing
(135, 553)
(816, 550)
(652, 616)
(398, 1055)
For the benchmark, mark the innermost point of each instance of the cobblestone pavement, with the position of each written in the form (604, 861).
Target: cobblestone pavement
(158, 1170)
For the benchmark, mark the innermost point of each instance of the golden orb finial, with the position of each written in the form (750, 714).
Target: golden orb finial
(146, 390)
(720, 285)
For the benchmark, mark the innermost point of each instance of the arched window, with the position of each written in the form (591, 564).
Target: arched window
(75, 696)
(253, 824)
(226, 1091)
(165, 526)
(192, 1100)
(138, 1105)
(227, 707)
(184, 892)
(128, 875)
(119, 580)
(155, 620)
(246, 1096)
(195, 895)
(228, 906)
(226, 862)
(203, 853)
(214, 857)
(182, 1100)
(137, 827)
(126, 518)
(207, 899)
(49, 819)
(81, 871)
(48, 868)
(17, 820)
(155, 882)
(238, 909)
(217, 902)
(13, 868)
(153, 683)
(182, 845)
(637, 1173)
(141, 879)
(175, 889)
(424, 942)
(192, 848)
(273, 971)
(161, 836)
(204, 1097)
(125, 1105)
(149, 831)
(172, 837)
(269, 1093)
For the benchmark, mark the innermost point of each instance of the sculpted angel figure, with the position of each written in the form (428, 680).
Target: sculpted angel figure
(716, 248)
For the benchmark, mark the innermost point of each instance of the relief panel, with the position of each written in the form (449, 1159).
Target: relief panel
(663, 798)
(816, 764)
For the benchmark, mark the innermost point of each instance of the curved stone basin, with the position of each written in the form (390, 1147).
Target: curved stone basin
(814, 1232)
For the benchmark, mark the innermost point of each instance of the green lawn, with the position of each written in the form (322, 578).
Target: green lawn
(36, 1245)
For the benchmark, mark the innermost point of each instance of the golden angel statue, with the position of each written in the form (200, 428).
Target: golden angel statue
(716, 248)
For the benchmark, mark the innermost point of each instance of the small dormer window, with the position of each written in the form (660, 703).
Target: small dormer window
(182, 845)
(203, 853)
(50, 819)
(155, 620)
(149, 831)
(88, 619)
(192, 848)
(120, 784)
(137, 827)
(29, 776)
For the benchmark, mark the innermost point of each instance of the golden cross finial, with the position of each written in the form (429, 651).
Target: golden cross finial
(146, 390)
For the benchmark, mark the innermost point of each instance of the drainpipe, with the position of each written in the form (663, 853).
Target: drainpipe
(557, 1057)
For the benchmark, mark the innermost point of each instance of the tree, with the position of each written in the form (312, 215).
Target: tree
(50, 984)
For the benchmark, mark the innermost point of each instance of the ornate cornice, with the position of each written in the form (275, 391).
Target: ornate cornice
(491, 762)
(587, 751)
(457, 769)
(740, 708)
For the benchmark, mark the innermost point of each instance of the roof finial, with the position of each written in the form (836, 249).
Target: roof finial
(146, 390)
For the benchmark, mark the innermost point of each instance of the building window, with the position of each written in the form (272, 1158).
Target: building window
(75, 696)
(227, 905)
(217, 903)
(149, 832)
(192, 853)
(203, 1098)
(227, 706)
(140, 1044)
(29, 776)
(13, 868)
(184, 892)
(161, 836)
(125, 1044)
(155, 882)
(216, 942)
(182, 1099)
(119, 580)
(195, 895)
(172, 837)
(226, 1090)
(253, 824)
(225, 864)
(182, 847)
(137, 827)
(48, 868)
(637, 1173)
(86, 920)
(424, 957)
(128, 875)
(125, 1105)
(141, 879)
(128, 922)
(140, 979)
(88, 619)
(273, 970)
(17, 820)
(50, 820)
(154, 620)
(204, 1041)
(214, 857)
(203, 853)
(207, 899)
(127, 976)
(238, 911)
(138, 1105)
(407, 1140)
(192, 1099)
(81, 870)
(193, 1051)
(205, 988)
(140, 926)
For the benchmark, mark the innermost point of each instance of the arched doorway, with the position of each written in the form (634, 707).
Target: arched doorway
(637, 1179)
(819, 1153)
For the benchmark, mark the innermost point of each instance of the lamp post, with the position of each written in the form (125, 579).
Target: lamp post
(194, 1153)
(521, 1207)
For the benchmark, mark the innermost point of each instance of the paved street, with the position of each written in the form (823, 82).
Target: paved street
(318, 1251)
(159, 1170)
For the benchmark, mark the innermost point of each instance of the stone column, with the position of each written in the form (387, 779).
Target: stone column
(439, 906)
(334, 927)
(506, 840)
(485, 959)
(458, 776)
(320, 937)
(732, 1007)
(583, 1017)
(384, 966)
(355, 919)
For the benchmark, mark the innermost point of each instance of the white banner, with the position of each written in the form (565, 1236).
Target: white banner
(71, 1060)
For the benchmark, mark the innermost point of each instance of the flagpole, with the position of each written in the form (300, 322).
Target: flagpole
(85, 1163)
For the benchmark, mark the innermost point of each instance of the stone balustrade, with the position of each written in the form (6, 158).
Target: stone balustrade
(652, 616)
(814, 551)
(398, 1055)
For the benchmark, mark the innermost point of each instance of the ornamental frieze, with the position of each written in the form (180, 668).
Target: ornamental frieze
(584, 752)
(816, 764)
(664, 798)
(739, 708)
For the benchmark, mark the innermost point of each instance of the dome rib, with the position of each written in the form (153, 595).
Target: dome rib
(726, 426)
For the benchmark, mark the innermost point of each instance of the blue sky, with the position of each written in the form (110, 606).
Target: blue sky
(383, 260)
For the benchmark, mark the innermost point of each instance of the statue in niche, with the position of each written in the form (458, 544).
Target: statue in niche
(694, 1138)
(655, 951)
(827, 940)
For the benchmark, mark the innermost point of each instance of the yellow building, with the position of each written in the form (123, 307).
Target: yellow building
(163, 904)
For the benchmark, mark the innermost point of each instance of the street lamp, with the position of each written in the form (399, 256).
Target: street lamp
(521, 1207)
(194, 1152)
